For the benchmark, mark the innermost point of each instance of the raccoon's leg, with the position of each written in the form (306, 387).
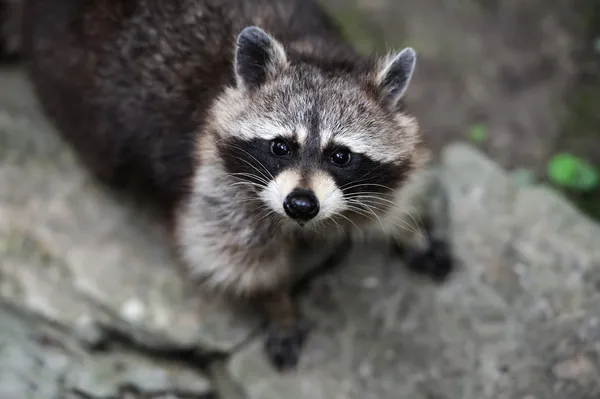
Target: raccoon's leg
(428, 255)
(423, 245)
(286, 330)
(11, 14)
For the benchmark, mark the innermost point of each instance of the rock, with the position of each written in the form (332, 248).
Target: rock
(39, 361)
(494, 330)
(578, 368)
(75, 255)
(562, 358)
(518, 319)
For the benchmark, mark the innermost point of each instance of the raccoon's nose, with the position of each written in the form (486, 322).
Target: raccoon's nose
(301, 205)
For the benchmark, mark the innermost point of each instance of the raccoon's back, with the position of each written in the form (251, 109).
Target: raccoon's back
(127, 82)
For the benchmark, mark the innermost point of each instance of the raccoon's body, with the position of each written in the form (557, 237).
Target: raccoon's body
(253, 125)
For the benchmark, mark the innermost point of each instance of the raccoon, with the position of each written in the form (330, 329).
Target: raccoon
(254, 126)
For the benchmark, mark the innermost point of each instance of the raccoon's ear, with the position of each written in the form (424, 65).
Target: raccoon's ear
(258, 56)
(394, 75)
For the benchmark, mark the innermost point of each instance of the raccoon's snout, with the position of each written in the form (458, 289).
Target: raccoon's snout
(301, 205)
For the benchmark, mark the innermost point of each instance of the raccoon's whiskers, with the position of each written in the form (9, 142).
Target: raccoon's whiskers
(320, 226)
(247, 176)
(240, 201)
(368, 208)
(247, 184)
(405, 225)
(254, 158)
(337, 225)
(367, 196)
(253, 166)
(243, 177)
(345, 189)
(351, 207)
(339, 214)
(362, 178)
(316, 228)
(269, 175)
(361, 210)
(281, 222)
(268, 213)
(418, 223)
(251, 192)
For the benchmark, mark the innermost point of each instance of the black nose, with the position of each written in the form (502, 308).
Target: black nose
(301, 205)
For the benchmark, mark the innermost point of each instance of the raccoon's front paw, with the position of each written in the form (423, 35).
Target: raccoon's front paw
(434, 260)
(283, 345)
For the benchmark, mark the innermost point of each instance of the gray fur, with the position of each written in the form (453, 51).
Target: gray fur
(306, 103)
(396, 76)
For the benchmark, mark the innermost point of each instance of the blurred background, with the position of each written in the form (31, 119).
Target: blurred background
(519, 79)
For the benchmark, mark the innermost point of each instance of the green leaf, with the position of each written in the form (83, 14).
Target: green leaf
(572, 172)
(478, 133)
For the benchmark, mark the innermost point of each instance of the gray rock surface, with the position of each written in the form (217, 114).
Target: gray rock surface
(39, 361)
(91, 303)
(69, 252)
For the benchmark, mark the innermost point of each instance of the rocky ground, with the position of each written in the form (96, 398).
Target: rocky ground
(91, 307)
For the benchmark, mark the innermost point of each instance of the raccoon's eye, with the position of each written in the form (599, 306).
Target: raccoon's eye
(341, 157)
(280, 148)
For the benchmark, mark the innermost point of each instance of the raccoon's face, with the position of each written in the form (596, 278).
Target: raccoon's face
(316, 141)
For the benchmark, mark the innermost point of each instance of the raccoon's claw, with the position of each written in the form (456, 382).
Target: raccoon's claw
(283, 345)
(434, 260)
